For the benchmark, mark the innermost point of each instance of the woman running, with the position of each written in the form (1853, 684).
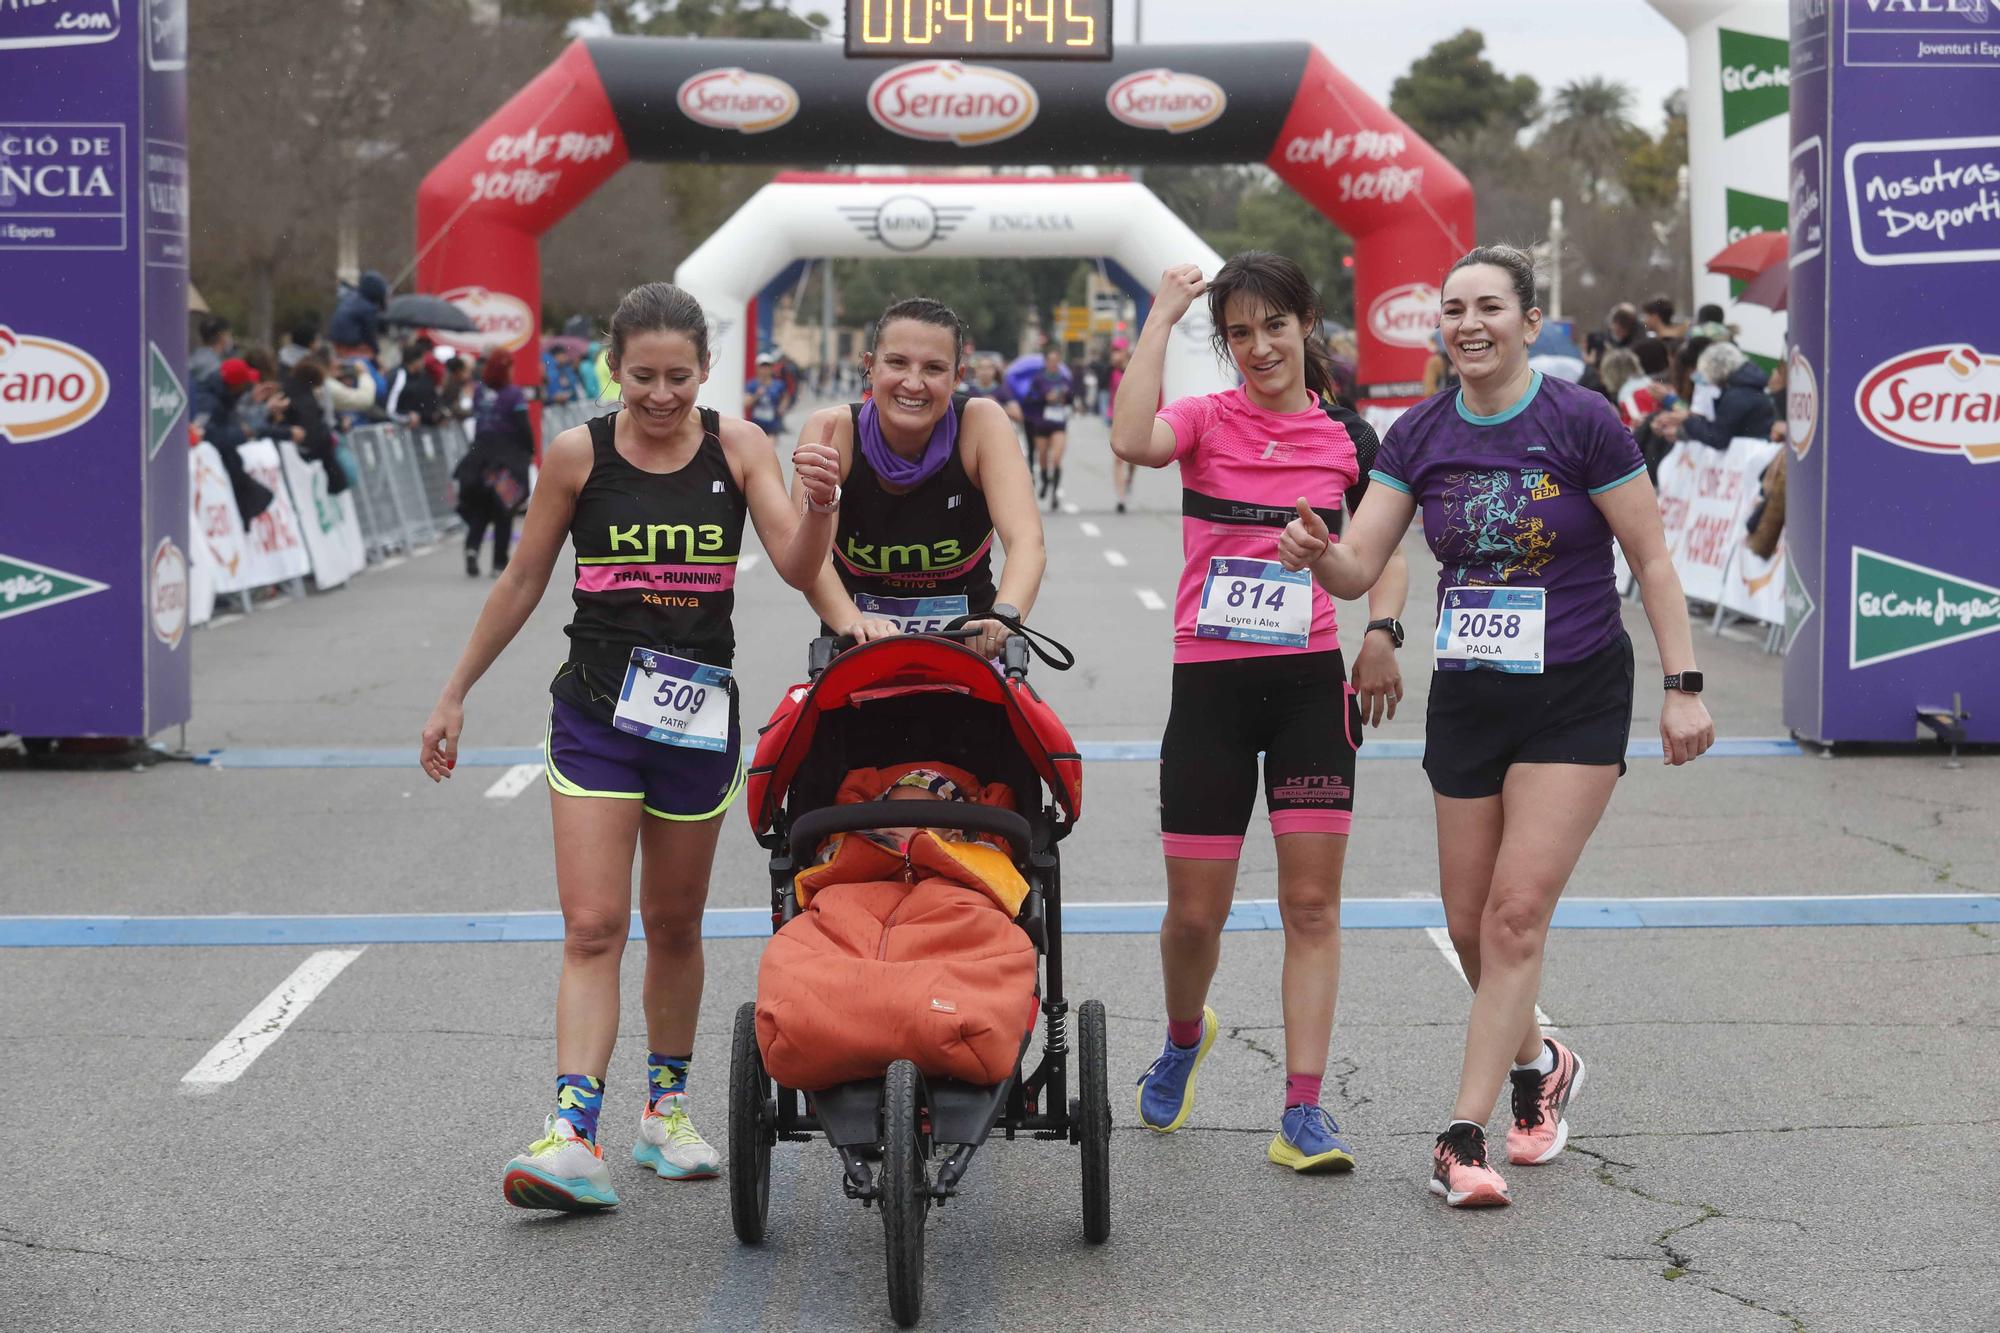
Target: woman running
(1257, 669)
(928, 478)
(642, 747)
(1046, 405)
(492, 478)
(1523, 481)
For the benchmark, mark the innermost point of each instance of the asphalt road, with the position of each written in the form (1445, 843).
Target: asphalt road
(1783, 1128)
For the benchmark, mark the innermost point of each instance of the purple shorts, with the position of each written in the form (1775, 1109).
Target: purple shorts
(589, 757)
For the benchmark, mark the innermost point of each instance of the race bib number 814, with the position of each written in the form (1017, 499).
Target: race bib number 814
(1255, 601)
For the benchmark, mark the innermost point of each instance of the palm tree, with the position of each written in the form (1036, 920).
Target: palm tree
(1590, 126)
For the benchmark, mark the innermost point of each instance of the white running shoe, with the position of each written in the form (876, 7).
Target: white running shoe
(671, 1145)
(559, 1171)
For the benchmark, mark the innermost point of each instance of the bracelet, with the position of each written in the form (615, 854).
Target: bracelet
(815, 507)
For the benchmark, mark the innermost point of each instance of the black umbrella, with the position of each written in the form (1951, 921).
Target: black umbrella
(418, 311)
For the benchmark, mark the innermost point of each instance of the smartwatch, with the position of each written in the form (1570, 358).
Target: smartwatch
(813, 506)
(1687, 682)
(1395, 628)
(1002, 609)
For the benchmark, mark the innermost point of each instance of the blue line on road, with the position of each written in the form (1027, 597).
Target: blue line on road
(70, 932)
(1103, 752)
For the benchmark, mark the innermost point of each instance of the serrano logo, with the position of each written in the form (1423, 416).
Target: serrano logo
(945, 102)
(1940, 400)
(1801, 403)
(47, 388)
(1405, 316)
(169, 593)
(1165, 99)
(503, 320)
(736, 99)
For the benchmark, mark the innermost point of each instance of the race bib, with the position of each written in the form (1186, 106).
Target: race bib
(674, 701)
(1055, 414)
(1255, 601)
(1497, 628)
(914, 615)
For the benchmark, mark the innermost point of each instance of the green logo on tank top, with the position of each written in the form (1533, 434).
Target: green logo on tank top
(648, 542)
(915, 557)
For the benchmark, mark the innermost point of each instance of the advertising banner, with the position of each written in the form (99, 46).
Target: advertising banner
(94, 559)
(276, 541)
(330, 528)
(1893, 593)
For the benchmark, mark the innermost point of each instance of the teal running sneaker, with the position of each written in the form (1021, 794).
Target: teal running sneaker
(1309, 1142)
(671, 1145)
(1166, 1089)
(560, 1171)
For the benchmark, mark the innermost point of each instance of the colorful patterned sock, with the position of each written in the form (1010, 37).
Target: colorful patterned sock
(1302, 1090)
(579, 1098)
(666, 1074)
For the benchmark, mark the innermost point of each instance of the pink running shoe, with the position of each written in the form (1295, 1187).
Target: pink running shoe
(1459, 1173)
(1539, 1130)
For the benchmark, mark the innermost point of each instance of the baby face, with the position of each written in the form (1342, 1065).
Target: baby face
(903, 835)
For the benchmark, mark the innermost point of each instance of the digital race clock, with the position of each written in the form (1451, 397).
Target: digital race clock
(993, 29)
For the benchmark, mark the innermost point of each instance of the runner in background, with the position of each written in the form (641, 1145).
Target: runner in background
(1122, 472)
(988, 381)
(929, 478)
(1524, 480)
(764, 400)
(1257, 669)
(642, 746)
(1046, 406)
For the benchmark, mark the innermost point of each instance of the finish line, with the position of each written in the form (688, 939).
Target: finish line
(1142, 918)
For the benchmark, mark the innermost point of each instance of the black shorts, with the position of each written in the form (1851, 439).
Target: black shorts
(1041, 430)
(1298, 710)
(1482, 721)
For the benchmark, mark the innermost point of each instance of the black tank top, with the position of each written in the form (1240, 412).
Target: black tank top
(655, 563)
(933, 541)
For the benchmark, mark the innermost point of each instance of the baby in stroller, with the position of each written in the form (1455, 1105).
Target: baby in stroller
(905, 947)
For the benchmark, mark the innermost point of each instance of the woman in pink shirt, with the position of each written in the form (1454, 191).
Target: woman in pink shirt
(1257, 669)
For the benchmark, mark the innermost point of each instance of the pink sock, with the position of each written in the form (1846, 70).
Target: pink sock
(1184, 1033)
(1302, 1090)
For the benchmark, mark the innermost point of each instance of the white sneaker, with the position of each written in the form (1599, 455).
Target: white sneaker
(559, 1171)
(671, 1145)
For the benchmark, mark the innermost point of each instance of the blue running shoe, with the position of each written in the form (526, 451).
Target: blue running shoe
(1166, 1089)
(1309, 1141)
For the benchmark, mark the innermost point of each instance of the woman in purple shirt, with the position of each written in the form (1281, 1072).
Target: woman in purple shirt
(1523, 482)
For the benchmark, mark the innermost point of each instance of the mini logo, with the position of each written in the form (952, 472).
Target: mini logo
(169, 593)
(1937, 400)
(26, 586)
(1801, 403)
(1405, 316)
(1902, 608)
(165, 400)
(504, 321)
(736, 99)
(1165, 99)
(906, 222)
(944, 101)
(25, 24)
(47, 387)
(952, 503)
(715, 488)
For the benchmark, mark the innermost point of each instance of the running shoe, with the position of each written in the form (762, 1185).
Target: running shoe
(559, 1171)
(1308, 1141)
(1539, 1130)
(472, 564)
(1459, 1173)
(671, 1145)
(1166, 1089)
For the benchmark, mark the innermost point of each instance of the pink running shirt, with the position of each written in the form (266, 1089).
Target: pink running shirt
(1243, 470)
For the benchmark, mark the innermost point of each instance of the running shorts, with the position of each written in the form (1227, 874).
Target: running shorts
(1297, 710)
(1482, 721)
(590, 757)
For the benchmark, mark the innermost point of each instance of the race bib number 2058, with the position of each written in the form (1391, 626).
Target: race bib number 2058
(1501, 629)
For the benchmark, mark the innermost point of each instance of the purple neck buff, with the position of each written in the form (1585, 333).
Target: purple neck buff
(897, 470)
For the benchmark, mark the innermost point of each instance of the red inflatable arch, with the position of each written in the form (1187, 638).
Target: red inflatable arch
(482, 211)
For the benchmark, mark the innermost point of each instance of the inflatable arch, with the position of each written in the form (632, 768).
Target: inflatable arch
(481, 211)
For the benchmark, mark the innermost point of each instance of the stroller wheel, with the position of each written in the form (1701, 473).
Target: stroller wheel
(906, 1191)
(750, 1131)
(1093, 1121)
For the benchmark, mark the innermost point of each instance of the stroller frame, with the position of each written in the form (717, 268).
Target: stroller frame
(887, 1130)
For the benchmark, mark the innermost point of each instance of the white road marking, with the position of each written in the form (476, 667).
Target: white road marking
(267, 1022)
(1091, 530)
(1116, 559)
(1071, 507)
(513, 782)
(217, 622)
(1151, 600)
(1442, 938)
(748, 563)
(395, 560)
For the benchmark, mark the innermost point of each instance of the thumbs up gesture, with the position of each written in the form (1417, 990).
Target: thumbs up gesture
(1305, 538)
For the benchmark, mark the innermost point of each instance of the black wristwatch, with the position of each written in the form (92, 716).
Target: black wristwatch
(1687, 682)
(1393, 625)
(1002, 609)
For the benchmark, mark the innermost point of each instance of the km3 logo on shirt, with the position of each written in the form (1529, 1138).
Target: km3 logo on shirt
(694, 540)
(914, 557)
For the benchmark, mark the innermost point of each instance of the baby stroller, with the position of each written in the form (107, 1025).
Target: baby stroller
(905, 1139)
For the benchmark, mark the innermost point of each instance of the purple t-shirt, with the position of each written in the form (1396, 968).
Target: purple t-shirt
(1507, 500)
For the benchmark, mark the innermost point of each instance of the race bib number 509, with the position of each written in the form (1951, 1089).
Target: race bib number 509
(674, 701)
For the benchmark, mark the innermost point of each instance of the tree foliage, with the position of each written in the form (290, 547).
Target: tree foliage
(1452, 89)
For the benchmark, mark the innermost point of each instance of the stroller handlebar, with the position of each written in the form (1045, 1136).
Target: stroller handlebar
(807, 830)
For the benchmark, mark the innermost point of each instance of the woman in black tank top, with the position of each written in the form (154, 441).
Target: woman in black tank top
(929, 479)
(642, 747)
